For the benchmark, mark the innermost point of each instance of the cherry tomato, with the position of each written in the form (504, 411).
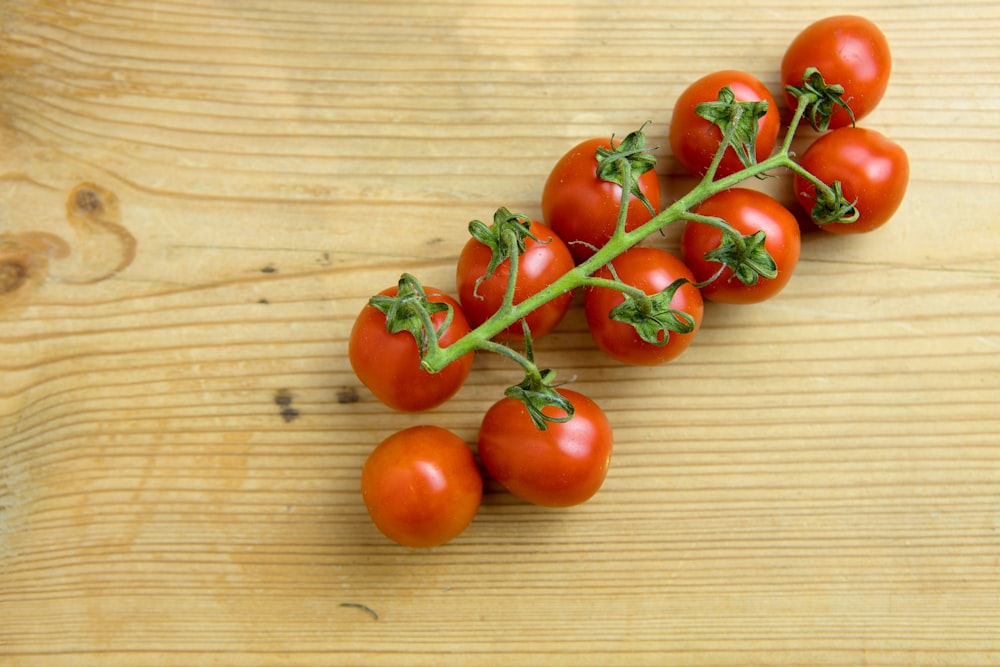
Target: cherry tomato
(847, 50)
(695, 140)
(874, 172)
(561, 466)
(541, 263)
(749, 212)
(582, 208)
(650, 270)
(421, 486)
(389, 363)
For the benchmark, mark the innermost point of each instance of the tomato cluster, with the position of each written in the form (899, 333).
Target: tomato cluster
(872, 170)
(549, 445)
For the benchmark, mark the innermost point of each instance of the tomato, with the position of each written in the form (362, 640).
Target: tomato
(582, 208)
(421, 486)
(873, 171)
(695, 140)
(650, 270)
(563, 465)
(749, 212)
(849, 51)
(541, 263)
(389, 363)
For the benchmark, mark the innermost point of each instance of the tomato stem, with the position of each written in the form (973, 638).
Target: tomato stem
(609, 283)
(803, 103)
(626, 195)
(531, 370)
(509, 239)
(727, 137)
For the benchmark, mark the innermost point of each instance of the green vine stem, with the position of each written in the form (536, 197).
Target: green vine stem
(436, 358)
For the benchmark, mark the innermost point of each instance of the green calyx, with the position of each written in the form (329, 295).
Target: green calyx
(410, 310)
(832, 207)
(737, 120)
(611, 164)
(538, 393)
(745, 256)
(537, 390)
(652, 317)
(823, 99)
(507, 234)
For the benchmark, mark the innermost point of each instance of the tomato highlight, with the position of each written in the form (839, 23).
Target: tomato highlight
(389, 363)
(850, 52)
(582, 208)
(421, 486)
(541, 258)
(648, 271)
(749, 212)
(563, 465)
(872, 171)
(694, 140)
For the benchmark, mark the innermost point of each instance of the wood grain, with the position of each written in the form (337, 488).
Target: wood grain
(196, 198)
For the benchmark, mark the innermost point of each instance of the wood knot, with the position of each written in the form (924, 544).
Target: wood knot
(92, 202)
(12, 276)
(87, 200)
(106, 247)
(283, 399)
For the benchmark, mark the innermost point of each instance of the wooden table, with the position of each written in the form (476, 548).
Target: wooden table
(196, 198)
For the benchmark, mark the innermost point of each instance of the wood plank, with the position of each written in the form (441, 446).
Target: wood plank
(197, 197)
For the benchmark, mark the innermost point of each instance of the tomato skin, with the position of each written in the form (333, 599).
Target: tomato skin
(540, 264)
(873, 170)
(749, 211)
(651, 270)
(561, 466)
(389, 364)
(582, 209)
(695, 140)
(421, 486)
(847, 50)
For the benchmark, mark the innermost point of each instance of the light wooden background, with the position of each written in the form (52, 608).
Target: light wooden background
(197, 196)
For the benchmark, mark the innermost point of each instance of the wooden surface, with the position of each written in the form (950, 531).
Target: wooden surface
(196, 198)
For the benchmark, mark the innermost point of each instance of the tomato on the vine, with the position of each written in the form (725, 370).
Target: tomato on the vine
(562, 465)
(694, 140)
(542, 262)
(389, 363)
(421, 486)
(582, 208)
(672, 323)
(873, 172)
(849, 51)
(748, 212)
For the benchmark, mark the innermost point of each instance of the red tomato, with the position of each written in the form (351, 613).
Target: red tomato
(650, 270)
(695, 140)
(561, 466)
(582, 208)
(873, 171)
(849, 51)
(749, 212)
(541, 263)
(389, 363)
(421, 486)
